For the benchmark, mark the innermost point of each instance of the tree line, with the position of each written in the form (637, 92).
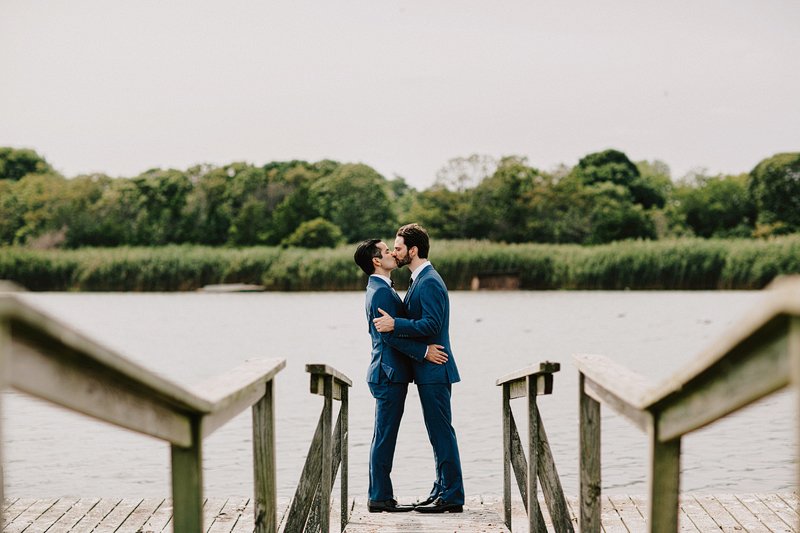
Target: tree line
(605, 197)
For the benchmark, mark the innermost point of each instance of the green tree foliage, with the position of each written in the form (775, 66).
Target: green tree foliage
(614, 166)
(15, 163)
(317, 233)
(714, 206)
(500, 206)
(775, 189)
(356, 199)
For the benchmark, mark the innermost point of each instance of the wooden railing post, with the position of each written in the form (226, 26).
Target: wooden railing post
(507, 454)
(265, 490)
(664, 482)
(327, 456)
(530, 382)
(533, 458)
(343, 445)
(310, 507)
(589, 428)
(793, 348)
(187, 484)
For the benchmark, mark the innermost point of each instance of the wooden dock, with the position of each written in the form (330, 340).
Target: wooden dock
(768, 513)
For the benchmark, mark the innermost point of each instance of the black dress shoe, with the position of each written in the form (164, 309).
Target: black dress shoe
(440, 506)
(388, 506)
(429, 501)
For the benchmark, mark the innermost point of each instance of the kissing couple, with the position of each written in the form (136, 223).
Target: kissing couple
(410, 342)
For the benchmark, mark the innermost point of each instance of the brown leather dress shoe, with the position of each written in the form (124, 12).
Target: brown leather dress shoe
(440, 506)
(388, 506)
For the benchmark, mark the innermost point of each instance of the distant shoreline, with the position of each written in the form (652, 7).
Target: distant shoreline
(681, 264)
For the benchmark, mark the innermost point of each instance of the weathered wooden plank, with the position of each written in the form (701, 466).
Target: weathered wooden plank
(544, 367)
(589, 459)
(67, 520)
(325, 370)
(160, 518)
(28, 516)
(227, 517)
(327, 458)
(551, 483)
(781, 301)
(630, 387)
(472, 520)
(49, 335)
(234, 391)
(8, 502)
(113, 520)
(96, 514)
(91, 391)
(611, 519)
(760, 366)
(52, 515)
(519, 388)
(212, 508)
(780, 508)
(520, 468)
(764, 514)
(698, 515)
(139, 517)
(792, 499)
(684, 524)
(630, 515)
(641, 419)
(244, 524)
(743, 516)
(19, 506)
(716, 511)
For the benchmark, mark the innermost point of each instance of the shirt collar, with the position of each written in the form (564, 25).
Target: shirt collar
(384, 278)
(420, 269)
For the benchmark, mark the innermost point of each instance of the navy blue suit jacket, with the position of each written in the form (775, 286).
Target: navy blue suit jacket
(427, 307)
(394, 355)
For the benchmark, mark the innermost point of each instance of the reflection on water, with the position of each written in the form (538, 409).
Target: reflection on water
(192, 337)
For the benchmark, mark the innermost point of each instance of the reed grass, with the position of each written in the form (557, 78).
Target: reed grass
(686, 264)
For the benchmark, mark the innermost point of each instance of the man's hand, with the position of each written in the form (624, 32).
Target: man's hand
(436, 354)
(385, 323)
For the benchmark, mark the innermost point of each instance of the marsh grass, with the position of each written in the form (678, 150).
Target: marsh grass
(686, 264)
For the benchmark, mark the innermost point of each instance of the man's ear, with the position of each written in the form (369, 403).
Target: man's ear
(376, 262)
(413, 252)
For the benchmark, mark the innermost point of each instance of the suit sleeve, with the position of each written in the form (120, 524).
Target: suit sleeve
(414, 349)
(434, 307)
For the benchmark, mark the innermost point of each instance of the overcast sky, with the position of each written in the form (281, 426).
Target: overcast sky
(122, 86)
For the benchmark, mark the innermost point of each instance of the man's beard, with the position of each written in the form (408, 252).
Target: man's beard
(402, 262)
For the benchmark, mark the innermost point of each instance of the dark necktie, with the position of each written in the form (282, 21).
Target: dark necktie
(391, 283)
(410, 281)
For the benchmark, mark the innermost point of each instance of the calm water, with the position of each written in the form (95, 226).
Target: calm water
(191, 337)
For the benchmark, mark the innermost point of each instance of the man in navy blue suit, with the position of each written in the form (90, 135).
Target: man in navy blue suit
(427, 307)
(390, 371)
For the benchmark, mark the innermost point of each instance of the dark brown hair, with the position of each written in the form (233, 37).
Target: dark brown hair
(365, 252)
(415, 235)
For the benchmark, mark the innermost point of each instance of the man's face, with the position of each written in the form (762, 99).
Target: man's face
(401, 252)
(387, 258)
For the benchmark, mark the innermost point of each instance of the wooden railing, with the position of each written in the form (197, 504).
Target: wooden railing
(42, 357)
(310, 509)
(758, 357)
(528, 383)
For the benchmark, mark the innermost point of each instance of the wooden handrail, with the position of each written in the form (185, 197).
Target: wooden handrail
(43, 357)
(757, 357)
(530, 382)
(310, 507)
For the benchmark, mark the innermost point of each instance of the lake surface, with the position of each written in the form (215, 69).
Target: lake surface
(188, 338)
